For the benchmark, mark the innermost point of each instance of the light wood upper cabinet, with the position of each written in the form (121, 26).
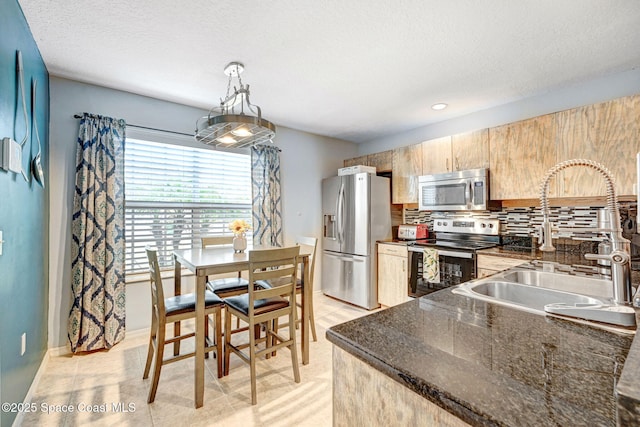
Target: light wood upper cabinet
(407, 166)
(436, 156)
(520, 154)
(608, 133)
(382, 161)
(470, 150)
(362, 160)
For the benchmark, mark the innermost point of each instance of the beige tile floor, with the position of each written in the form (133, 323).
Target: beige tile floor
(95, 384)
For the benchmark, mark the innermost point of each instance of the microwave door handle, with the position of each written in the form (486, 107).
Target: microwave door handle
(468, 195)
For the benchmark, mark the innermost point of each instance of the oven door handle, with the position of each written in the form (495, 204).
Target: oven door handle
(466, 255)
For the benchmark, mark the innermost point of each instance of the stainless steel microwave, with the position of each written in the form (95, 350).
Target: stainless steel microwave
(466, 190)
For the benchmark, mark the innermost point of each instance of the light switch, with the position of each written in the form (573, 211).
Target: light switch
(11, 155)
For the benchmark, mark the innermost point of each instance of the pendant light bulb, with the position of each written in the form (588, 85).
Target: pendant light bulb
(242, 132)
(227, 139)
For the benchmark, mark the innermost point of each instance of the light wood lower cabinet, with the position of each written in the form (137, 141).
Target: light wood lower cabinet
(393, 274)
(364, 396)
(488, 264)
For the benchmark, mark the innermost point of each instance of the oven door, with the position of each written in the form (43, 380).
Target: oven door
(455, 267)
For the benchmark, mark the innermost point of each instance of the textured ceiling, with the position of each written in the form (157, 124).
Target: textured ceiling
(355, 70)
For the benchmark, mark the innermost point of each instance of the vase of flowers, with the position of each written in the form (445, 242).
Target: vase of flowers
(239, 227)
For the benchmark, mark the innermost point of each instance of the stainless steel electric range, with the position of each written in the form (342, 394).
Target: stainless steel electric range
(454, 247)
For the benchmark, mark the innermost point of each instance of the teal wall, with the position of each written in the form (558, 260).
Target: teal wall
(24, 215)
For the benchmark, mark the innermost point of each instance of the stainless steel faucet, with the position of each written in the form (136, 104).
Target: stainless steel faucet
(620, 255)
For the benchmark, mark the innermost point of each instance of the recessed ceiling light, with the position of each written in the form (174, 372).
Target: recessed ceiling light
(439, 106)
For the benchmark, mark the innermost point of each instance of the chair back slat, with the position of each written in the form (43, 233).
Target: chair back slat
(279, 266)
(216, 240)
(281, 272)
(157, 292)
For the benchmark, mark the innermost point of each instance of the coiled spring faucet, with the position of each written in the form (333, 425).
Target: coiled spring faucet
(620, 247)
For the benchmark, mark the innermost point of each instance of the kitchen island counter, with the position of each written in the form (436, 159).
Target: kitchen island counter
(492, 365)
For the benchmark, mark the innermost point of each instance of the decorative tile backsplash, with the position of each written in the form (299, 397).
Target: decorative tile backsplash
(524, 222)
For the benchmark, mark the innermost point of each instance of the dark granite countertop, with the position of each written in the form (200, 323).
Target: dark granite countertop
(527, 254)
(493, 365)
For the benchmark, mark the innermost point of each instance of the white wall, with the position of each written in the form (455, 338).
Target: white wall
(305, 160)
(585, 93)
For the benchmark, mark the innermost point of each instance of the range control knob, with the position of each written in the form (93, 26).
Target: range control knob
(482, 225)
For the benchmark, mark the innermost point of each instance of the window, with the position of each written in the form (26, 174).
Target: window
(174, 194)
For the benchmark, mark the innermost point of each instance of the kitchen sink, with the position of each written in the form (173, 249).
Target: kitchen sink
(563, 282)
(528, 297)
(584, 299)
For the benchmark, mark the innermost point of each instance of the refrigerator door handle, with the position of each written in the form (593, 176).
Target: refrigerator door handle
(349, 259)
(340, 213)
(344, 258)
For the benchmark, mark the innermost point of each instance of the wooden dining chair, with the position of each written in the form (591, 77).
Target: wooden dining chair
(307, 244)
(227, 286)
(263, 306)
(174, 309)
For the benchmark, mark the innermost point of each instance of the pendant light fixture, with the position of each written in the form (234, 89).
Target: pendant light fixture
(233, 127)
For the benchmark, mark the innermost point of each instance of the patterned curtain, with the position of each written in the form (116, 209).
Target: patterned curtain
(265, 188)
(97, 317)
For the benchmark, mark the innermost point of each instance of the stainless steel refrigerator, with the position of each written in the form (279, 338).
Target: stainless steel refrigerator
(356, 213)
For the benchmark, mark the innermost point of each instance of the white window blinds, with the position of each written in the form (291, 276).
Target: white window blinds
(176, 194)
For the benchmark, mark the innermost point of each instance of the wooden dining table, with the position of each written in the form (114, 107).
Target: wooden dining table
(218, 260)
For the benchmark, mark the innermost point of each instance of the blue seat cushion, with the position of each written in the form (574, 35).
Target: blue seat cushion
(241, 303)
(187, 302)
(229, 284)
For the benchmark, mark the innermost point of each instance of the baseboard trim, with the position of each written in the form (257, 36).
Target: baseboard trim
(66, 350)
(56, 352)
(32, 389)
(59, 351)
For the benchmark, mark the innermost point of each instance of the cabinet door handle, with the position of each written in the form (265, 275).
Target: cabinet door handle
(404, 268)
(457, 163)
(448, 165)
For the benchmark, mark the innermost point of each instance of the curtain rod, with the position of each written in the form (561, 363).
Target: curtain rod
(79, 116)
